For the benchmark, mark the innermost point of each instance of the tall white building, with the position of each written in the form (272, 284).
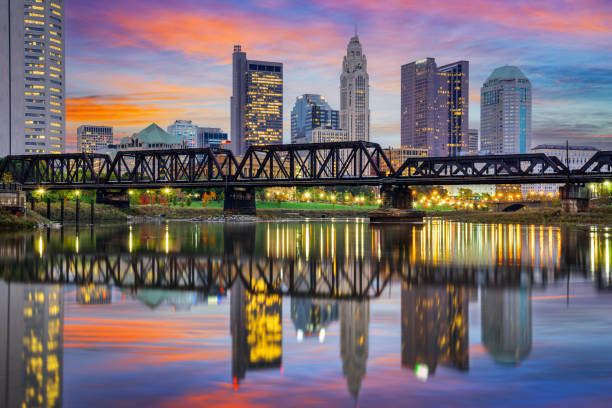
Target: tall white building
(355, 93)
(505, 112)
(32, 77)
(185, 129)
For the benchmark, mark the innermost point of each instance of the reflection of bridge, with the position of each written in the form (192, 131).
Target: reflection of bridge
(355, 279)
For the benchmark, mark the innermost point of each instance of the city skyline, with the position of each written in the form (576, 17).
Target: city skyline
(145, 71)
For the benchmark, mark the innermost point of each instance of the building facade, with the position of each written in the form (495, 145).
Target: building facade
(309, 112)
(355, 93)
(32, 77)
(398, 155)
(573, 156)
(434, 106)
(323, 135)
(91, 139)
(472, 144)
(211, 137)
(256, 103)
(505, 112)
(185, 129)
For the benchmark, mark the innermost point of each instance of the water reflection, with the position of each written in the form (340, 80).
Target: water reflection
(326, 275)
(32, 327)
(434, 328)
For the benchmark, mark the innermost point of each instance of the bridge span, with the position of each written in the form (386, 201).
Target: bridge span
(315, 164)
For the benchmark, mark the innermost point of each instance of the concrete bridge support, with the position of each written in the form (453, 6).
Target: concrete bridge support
(575, 198)
(399, 197)
(116, 198)
(396, 206)
(239, 200)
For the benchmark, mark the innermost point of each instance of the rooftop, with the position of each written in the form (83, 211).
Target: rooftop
(155, 134)
(563, 147)
(506, 72)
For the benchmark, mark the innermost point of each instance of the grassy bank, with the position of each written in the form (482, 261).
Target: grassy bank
(600, 215)
(11, 223)
(102, 213)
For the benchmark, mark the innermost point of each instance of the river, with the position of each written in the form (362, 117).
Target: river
(306, 313)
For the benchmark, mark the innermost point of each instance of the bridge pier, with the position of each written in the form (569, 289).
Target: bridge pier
(239, 200)
(575, 198)
(396, 205)
(119, 199)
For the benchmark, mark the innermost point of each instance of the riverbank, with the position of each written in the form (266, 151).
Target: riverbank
(600, 215)
(106, 214)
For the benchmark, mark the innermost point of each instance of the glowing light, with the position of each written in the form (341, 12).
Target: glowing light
(300, 335)
(130, 192)
(322, 336)
(421, 371)
(333, 197)
(321, 195)
(41, 191)
(166, 190)
(77, 192)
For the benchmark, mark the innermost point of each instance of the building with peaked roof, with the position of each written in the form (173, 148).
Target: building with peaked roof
(151, 138)
(355, 92)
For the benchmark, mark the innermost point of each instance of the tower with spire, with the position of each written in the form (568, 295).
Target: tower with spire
(355, 92)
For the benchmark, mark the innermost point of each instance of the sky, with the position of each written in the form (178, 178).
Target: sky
(131, 63)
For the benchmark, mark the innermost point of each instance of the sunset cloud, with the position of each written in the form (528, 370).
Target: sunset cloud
(137, 62)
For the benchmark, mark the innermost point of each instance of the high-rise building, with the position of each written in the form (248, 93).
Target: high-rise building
(257, 102)
(32, 82)
(355, 92)
(505, 112)
(311, 111)
(210, 137)
(472, 145)
(323, 135)
(185, 129)
(434, 106)
(92, 138)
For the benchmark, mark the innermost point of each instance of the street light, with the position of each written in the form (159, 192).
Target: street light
(77, 192)
(41, 191)
(167, 190)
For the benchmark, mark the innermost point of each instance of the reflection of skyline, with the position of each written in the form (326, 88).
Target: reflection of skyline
(31, 358)
(506, 323)
(312, 316)
(434, 328)
(354, 342)
(92, 294)
(256, 327)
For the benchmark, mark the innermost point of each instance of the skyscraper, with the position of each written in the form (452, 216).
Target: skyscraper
(505, 112)
(434, 106)
(91, 138)
(472, 146)
(257, 102)
(355, 92)
(310, 112)
(185, 129)
(32, 83)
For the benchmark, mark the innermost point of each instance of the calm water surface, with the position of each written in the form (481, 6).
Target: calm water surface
(339, 313)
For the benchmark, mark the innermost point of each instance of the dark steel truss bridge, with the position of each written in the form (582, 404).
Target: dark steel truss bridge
(318, 164)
